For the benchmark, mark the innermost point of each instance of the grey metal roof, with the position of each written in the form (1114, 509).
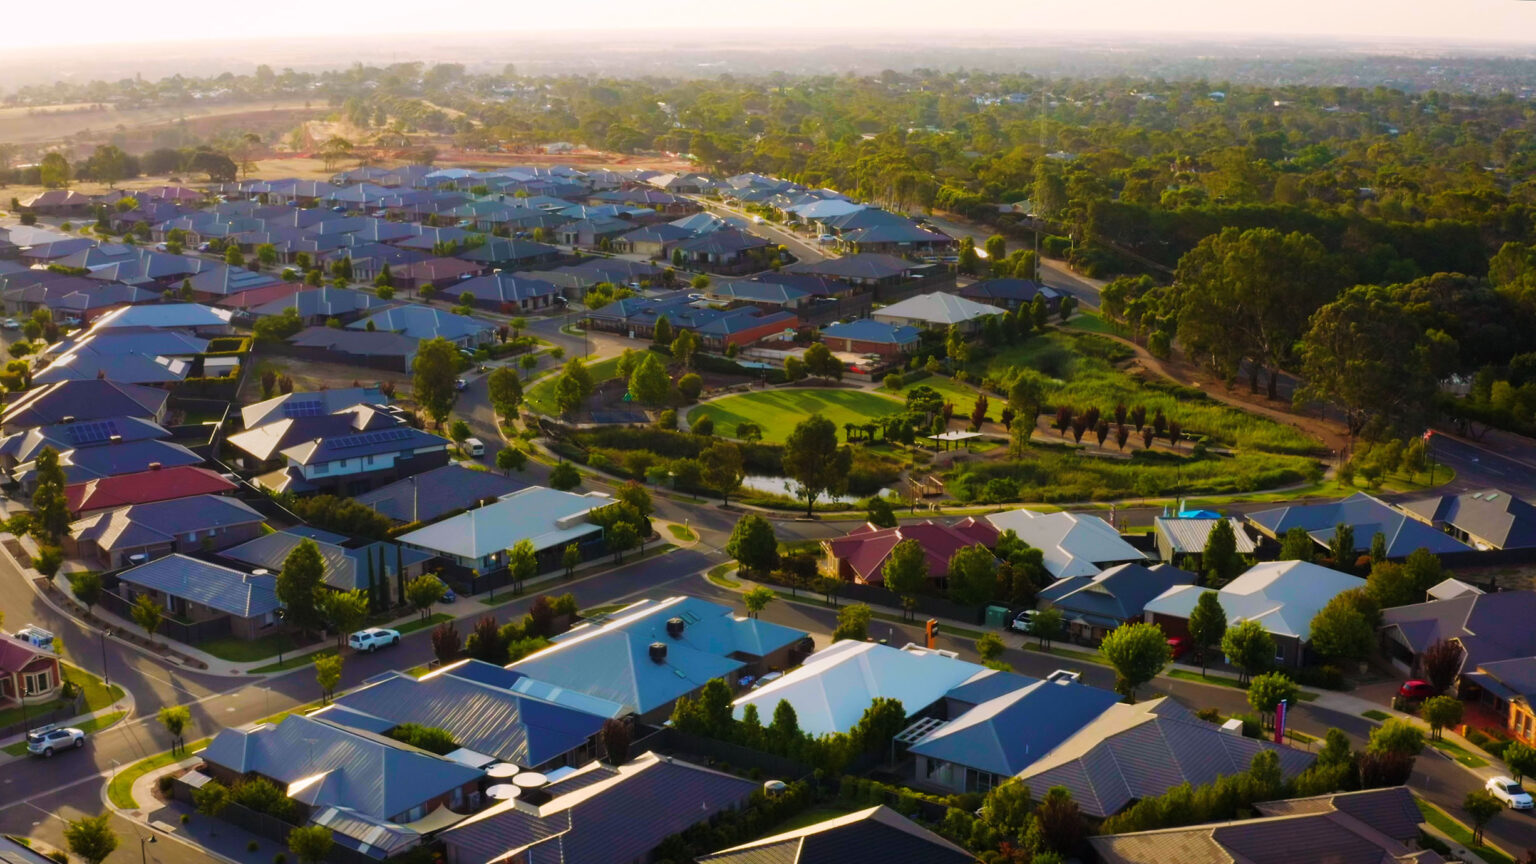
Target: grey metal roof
(878, 835)
(83, 400)
(1005, 735)
(1187, 535)
(346, 561)
(241, 594)
(547, 517)
(1491, 515)
(1114, 595)
(309, 404)
(1367, 515)
(162, 521)
(1490, 627)
(425, 497)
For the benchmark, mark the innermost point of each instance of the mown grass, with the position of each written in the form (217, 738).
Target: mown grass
(957, 394)
(1454, 829)
(683, 533)
(120, 790)
(1378, 716)
(1459, 753)
(541, 396)
(717, 575)
(777, 412)
(1223, 681)
(95, 695)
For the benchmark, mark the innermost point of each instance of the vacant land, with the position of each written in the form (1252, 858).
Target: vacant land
(90, 121)
(777, 411)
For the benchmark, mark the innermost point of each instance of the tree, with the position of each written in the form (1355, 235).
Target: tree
(1396, 736)
(86, 586)
(1249, 647)
(148, 614)
(53, 171)
(972, 575)
(1047, 626)
(175, 719)
(522, 563)
(1389, 584)
(1207, 624)
(753, 544)
(1296, 545)
(1341, 630)
(997, 247)
(1267, 691)
(1366, 353)
(1521, 759)
(344, 612)
(211, 798)
(1481, 807)
(1063, 829)
(433, 376)
(50, 509)
(758, 599)
(813, 459)
(662, 332)
(1439, 712)
(90, 838)
(616, 741)
(852, 623)
(1138, 651)
(1424, 568)
(509, 459)
(621, 538)
(990, 647)
(906, 570)
(722, 468)
(1066, 307)
(445, 642)
(880, 513)
(506, 392)
(1341, 547)
(649, 383)
(821, 362)
(690, 385)
(570, 559)
(423, 592)
(573, 386)
(310, 843)
(328, 674)
(298, 585)
(485, 642)
(1441, 662)
(684, 346)
(564, 477)
(1220, 559)
(1008, 807)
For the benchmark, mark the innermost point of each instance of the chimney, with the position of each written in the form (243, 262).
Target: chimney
(658, 652)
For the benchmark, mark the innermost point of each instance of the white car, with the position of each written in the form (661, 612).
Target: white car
(44, 740)
(373, 639)
(11, 324)
(460, 384)
(1024, 621)
(1510, 792)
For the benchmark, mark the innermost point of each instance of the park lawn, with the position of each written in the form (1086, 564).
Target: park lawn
(540, 396)
(777, 412)
(955, 393)
(1094, 324)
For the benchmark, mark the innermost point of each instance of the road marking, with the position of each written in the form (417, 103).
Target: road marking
(55, 790)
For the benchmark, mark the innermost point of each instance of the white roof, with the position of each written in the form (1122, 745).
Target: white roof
(1452, 587)
(1072, 544)
(1283, 596)
(547, 517)
(834, 687)
(936, 308)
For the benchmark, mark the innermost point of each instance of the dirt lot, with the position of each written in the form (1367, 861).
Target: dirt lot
(309, 375)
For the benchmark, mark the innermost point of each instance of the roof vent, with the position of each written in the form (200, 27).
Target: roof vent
(1063, 676)
(154, 466)
(115, 439)
(261, 571)
(67, 419)
(658, 652)
(675, 627)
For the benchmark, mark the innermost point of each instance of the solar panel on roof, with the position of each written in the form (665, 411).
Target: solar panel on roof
(365, 438)
(307, 408)
(92, 432)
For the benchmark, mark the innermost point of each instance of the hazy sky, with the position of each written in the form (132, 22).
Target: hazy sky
(105, 21)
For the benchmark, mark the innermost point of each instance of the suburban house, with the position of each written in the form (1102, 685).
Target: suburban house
(430, 495)
(489, 724)
(904, 238)
(936, 311)
(144, 487)
(652, 241)
(508, 293)
(1486, 519)
(636, 317)
(197, 591)
(509, 254)
(878, 835)
(426, 322)
(23, 446)
(833, 687)
(475, 542)
(370, 790)
(1506, 689)
(864, 270)
(1182, 539)
(1072, 544)
(764, 295)
(312, 403)
(58, 202)
(317, 306)
(1367, 515)
(195, 318)
(1283, 596)
(645, 656)
(351, 563)
(598, 814)
(1488, 627)
(861, 554)
(348, 452)
(1008, 293)
(1376, 825)
(1131, 752)
(867, 336)
(111, 459)
(74, 401)
(373, 349)
(1092, 606)
(114, 538)
(26, 669)
(439, 274)
(729, 251)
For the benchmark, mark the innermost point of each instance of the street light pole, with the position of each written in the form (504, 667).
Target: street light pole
(106, 674)
(144, 843)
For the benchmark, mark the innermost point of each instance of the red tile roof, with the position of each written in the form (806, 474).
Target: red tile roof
(866, 548)
(144, 487)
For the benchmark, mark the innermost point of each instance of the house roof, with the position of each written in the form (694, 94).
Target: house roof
(1490, 515)
(1375, 826)
(620, 817)
(24, 446)
(1510, 679)
(878, 835)
(399, 438)
(1114, 595)
(834, 686)
(110, 460)
(1490, 627)
(1007, 733)
(165, 316)
(869, 330)
(500, 723)
(144, 487)
(346, 559)
(1138, 751)
(1368, 516)
(936, 308)
(19, 653)
(904, 233)
(506, 288)
(83, 400)
(866, 265)
(86, 365)
(1283, 596)
(321, 301)
(427, 496)
(727, 241)
(423, 322)
(162, 521)
(309, 404)
(611, 660)
(1188, 535)
(1017, 290)
(359, 343)
(545, 516)
(1072, 544)
(241, 594)
(751, 291)
(867, 548)
(324, 764)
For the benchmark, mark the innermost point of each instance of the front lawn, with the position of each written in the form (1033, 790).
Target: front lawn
(1459, 753)
(1459, 832)
(96, 696)
(777, 412)
(120, 790)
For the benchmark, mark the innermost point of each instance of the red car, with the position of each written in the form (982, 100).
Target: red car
(1179, 646)
(1416, 690)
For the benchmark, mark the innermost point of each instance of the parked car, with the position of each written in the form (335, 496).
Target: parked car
(1179, 646)
(1023, 621)
(373, 639)
(1416, 690)
(448, 596)
(1510, 792)
(827, 238)
(44, 740)
(11, 324)
(460, 384)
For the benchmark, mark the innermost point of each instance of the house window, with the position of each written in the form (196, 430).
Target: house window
(322, 468)
(456, 800)
(37, 682)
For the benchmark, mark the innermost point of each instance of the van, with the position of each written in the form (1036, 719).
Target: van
(474, 447)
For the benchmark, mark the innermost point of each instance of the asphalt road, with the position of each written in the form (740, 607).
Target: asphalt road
(1052, 272)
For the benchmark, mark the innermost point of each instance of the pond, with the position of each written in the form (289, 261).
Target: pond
(786, 487)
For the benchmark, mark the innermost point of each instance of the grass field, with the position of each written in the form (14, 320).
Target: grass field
(541, 396)
(961, 396)
(777, 411)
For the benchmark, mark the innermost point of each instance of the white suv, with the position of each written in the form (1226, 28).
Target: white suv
(1510, 792)
(44, 740)
(373, 638)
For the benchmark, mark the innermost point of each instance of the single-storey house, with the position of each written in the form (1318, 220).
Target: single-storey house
(869, 269)
(114, 538)
(440, 274)
(195, 590)
(1182, 539)
(144, 487)
(426, 322)
(428, 496)
(478, 539)
(1367, 515)
(1486, 519)
(375, 349)
(936, 311)
(1092, 606)
(23, 446)
(1009, 293)
(867, 336)
(26, 669)
(861, 554)
(76, 401)
(509, 293)
(349, 562)
(316, 306)
(1488, 627)
(1072, 544)
(652, 241)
